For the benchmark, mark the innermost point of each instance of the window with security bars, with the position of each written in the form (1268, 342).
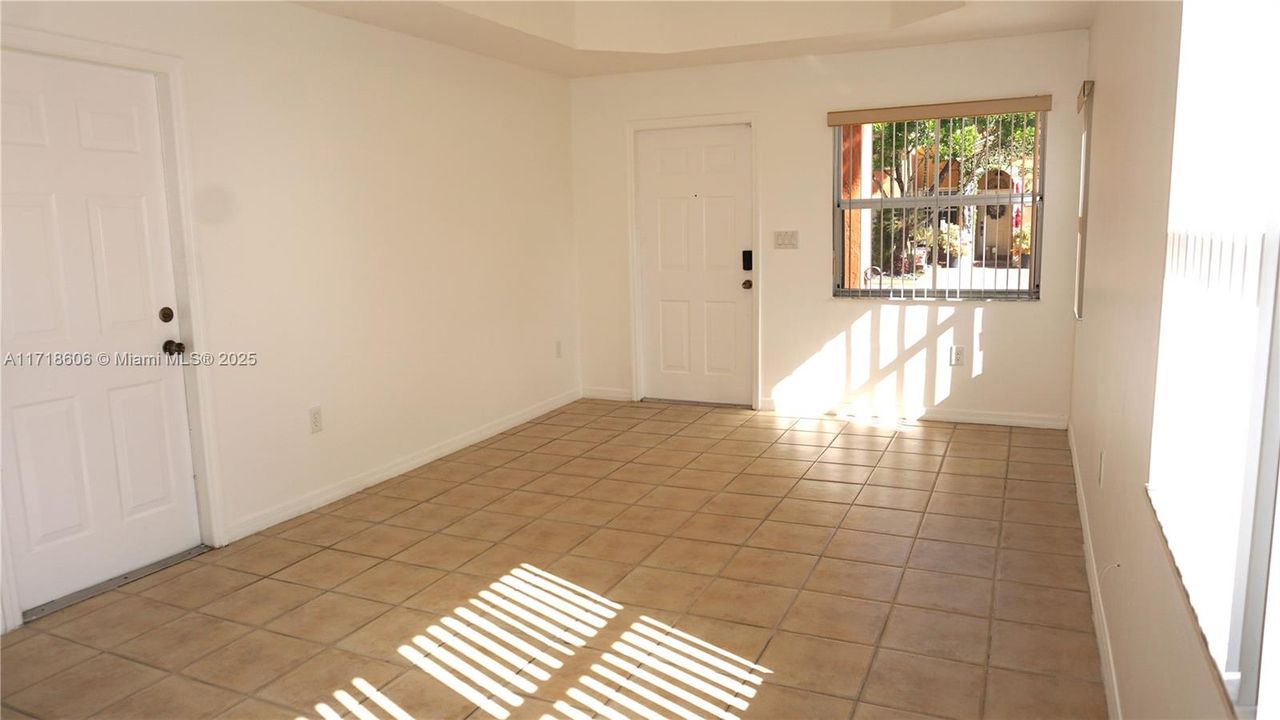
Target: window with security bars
(940, 201)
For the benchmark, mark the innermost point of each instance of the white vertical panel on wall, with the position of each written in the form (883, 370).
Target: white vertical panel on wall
(1217, 320)
(1214, 344)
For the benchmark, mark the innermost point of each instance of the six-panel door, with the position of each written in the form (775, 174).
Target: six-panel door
(694, 220)
(97, 474)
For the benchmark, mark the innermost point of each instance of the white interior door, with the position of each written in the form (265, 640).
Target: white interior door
(694, 220)
(97, 475)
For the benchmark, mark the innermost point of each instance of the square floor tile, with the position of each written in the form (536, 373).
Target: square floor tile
(586, 512)
(429, 517)
(1060, 571)
(1041, 513)
(953, 558)
(674, 498)
(374, 508)
(181, 642)
(745, 642)
(382, 638)
(882, 520)
(1015, 695)
(903, 478)
(855, 579)
(1032, 648)
(869, 547)
(836, 616)
(37, 658)
(327, 618)
(941, 591)
(925, 685)
(616, 491)
(552, 535)
(83, 689)
(660, 521)
(443, 552)
(618, 545)
(809, 512)
(381, 540)
(484, 525)
(1043, 538)
(316, 679)
(452, 591)
(1069, 609)
(201, 586)
(938, 634)
(717, 528)
(817, 664)
(528, 504)
(252, 661)
(825, 491)
(390, 582)
(322, 530)
(807, 539)
(173, 697)
(960, 529)
(664, 589)
(893, 498)
(501, 559)
(744, 602)
(595, 575)
(695, 556)
(836, 472)
(118, 622)
(741, 505)
(970, 485)
(772, 567)
(260, 602)
(761, 485)
(326, 569)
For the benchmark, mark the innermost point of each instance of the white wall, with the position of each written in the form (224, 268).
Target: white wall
(816, 351)
(383, 220)
(1161, 667)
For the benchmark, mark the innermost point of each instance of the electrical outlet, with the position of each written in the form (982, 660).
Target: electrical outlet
(559, 352)
(317, 420)
(956, 359)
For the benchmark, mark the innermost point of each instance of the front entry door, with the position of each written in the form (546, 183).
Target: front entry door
(694, 220)
(97, 474)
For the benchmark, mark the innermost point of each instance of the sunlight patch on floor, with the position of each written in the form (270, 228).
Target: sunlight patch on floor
(498, 649)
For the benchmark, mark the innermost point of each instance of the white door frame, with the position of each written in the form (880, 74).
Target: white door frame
(634, 128)
(167, 71)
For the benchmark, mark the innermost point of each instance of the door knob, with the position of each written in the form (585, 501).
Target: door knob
(746, 284)
(173, 347)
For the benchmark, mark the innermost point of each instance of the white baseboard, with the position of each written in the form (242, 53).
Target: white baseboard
(1110, 688)
(607, 393)
(981, 417)
(984, 417)
(323, 496)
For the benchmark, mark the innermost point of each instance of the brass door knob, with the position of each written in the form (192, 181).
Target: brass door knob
(746, 284)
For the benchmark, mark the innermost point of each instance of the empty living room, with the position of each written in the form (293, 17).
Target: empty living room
(639, 360)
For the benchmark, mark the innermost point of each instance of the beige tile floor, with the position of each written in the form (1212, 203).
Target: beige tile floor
(621, 560)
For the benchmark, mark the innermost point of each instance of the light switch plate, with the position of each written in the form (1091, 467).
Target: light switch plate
(786, 239)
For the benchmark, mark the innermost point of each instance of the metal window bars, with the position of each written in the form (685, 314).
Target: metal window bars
(943, 208)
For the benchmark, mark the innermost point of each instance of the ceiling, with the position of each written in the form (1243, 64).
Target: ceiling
(577, 39)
